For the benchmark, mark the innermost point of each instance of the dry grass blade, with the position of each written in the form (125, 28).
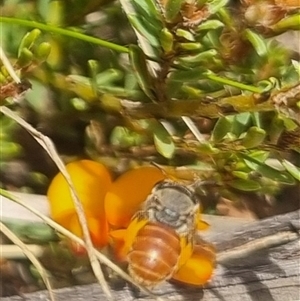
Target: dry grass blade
(30, 256)
(76, 239)
(47, 144)
(15, 252)
(8, 66)
(192, 127)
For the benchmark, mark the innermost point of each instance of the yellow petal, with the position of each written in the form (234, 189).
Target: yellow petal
(91, 181)
(199, 268)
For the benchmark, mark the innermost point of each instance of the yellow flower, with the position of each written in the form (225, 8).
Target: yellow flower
(91, 181)
(128, 192)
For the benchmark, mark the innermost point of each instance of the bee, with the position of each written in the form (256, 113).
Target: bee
(161, 236)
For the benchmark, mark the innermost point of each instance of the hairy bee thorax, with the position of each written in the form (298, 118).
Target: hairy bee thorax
(173, 205)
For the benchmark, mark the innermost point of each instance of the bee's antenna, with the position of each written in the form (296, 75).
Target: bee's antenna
(159, 167)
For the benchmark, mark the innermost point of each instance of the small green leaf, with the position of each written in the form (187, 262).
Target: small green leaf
(166, 40)
(256, 119)
(216, 5)
(269, 172)
(138, 62)
(241, 123)
(38, 178)
(28, 40)
(43, 51)
(4, 72)
(93, 70)
(258, 42)
(181, 33)
(198, 58)
(289, 124)
(172, 9)
(81, 85)
(31, 232)
(124, 138)
(145, 8)
(25, 57)
(79, 104)
(275, 130)
(292, 169)
(191, 91)
(162, 139)
(267, 85)
(3, 79)
(210, 25)
(192, 75)
(108, 76)
(164, 143)
(225, 16)
(296, 65)
(245, 185)
(130, 81)
(39, 233)
(254, 137)
(145, 31)
(258, 155)
(222, 127)
(289, 23)
(9, 150)
(276, 175)
(243, 118)
(208, 149)
(93, 67)
(190, 46)
(240, 174)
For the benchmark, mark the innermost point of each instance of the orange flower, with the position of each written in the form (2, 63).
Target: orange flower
(112, 205)
(91, 181)
(198, 269)
(127, 193)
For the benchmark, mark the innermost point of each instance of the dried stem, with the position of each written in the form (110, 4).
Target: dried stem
(8, 233)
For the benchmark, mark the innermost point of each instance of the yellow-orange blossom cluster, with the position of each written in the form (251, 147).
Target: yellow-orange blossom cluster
(109, 207)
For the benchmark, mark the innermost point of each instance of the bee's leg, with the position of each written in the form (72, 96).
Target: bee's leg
(114, 280)
(135, 292)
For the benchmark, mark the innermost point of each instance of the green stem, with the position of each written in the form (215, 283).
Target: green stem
(64, 32)
(233, 83)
